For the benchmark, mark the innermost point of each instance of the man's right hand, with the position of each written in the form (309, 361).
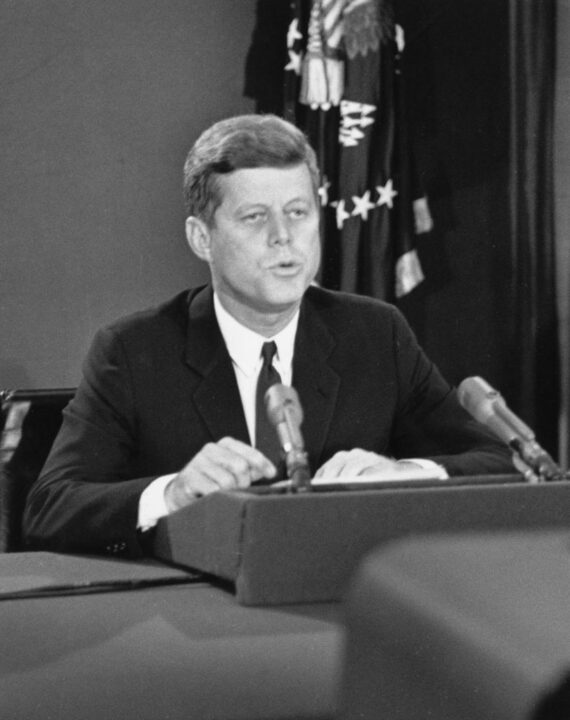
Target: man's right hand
(225, 465)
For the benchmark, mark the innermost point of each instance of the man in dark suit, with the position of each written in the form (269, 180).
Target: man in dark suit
(166, 411)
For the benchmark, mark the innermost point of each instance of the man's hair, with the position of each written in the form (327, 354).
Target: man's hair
(244, 141)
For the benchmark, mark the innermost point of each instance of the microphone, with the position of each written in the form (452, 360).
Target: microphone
(488, 407)
(286, 415)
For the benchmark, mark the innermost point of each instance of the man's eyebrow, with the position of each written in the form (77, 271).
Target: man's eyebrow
(249, 205)
(299, 197)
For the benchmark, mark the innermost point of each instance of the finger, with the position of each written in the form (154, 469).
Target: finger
(332, 467)
(353, 462)
(224, 467)
(202, 475)
(244, 463)
(394, 466)
(218, 470)
(187, 487)
(359, 462)
(258, 466)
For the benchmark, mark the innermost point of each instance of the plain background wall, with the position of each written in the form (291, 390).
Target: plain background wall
(100, 104)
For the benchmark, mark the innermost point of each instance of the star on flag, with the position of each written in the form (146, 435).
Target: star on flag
(324, 192)
(362, 205)
(341, 214)
(386, 194)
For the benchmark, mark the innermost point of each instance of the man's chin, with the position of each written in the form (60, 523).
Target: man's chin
(283, 298)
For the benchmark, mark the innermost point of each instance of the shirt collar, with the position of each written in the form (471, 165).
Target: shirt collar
(244, 345)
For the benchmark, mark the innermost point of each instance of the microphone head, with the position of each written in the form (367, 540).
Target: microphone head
(282, 402)
(488, 407)
(478, 398)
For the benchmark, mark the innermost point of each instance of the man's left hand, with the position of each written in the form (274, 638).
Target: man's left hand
(357, 462)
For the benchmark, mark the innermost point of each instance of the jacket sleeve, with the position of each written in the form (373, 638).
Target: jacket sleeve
(85, 500)
(430, 421)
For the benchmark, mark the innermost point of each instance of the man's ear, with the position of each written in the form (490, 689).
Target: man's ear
(198, 237)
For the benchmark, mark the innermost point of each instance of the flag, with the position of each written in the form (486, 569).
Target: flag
(343, 87)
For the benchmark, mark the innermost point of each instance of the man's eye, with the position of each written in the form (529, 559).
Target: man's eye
(298, 213)
(254, 217)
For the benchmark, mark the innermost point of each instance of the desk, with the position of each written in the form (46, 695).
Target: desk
(172, 652)
(466, 627)
(305, 547)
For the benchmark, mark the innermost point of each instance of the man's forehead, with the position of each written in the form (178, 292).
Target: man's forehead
(265, 182)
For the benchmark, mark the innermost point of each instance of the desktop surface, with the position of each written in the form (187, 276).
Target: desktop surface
(173, 651)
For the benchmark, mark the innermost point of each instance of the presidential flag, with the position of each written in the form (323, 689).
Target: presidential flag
(343, 86)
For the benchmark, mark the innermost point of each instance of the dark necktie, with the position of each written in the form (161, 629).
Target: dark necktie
(266, 439)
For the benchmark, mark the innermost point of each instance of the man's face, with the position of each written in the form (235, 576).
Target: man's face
(264, 247)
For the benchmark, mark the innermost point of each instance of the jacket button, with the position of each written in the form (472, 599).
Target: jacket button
(116, 547)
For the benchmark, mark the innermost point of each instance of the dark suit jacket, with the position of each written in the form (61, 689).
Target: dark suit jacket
(160, 384)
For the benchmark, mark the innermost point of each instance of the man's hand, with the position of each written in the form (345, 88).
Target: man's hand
(225, 465)
(357, 462)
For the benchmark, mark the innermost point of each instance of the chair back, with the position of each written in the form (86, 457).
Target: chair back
(29, 422)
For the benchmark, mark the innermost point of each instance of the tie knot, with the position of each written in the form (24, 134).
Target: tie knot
(268, 350)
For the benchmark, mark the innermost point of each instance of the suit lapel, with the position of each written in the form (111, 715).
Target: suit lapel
(216, 397)
(314, 379)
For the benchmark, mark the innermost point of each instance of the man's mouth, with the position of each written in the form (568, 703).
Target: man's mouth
(285, 267)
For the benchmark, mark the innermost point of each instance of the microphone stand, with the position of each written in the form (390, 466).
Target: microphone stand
(535, 463)
(297, 469)
(286, 415)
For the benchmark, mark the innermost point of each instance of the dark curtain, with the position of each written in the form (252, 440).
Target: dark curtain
(535, 365)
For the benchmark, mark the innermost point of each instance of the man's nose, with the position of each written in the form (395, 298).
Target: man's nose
(279, 233)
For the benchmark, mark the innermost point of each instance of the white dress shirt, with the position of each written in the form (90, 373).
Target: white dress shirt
(244, 347)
